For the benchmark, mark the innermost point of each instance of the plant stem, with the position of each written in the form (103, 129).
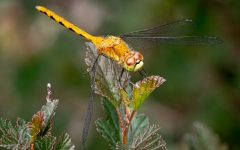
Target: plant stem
(120, 120)
(125, 133)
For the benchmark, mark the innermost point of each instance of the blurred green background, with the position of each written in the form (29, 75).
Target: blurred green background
(203, 83)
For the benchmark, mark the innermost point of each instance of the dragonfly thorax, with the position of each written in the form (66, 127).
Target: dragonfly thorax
(116, 49)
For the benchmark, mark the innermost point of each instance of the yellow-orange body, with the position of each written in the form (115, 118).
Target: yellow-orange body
(112, 46)
(115, 48)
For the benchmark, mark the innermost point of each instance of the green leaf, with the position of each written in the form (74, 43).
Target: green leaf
(49, 109)
(14, 137)
(108, 132)
(65, 143)
(20, 122)
(148, 139)
(121, 146)
(109, 126)
(8, 142)
(153, 142)
(5, 125)
(23, 134)
(145, 87)
(107, 73)
(111, 113)
(202, 137)
(21, 128)
(138, 123)
(45, 143)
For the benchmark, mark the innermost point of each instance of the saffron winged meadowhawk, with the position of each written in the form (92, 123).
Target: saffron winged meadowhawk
(121, 49)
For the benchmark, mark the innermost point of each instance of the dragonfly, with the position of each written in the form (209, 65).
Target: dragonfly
(124, 49)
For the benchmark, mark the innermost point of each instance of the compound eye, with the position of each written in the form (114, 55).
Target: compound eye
(131, 61)
(138, 56)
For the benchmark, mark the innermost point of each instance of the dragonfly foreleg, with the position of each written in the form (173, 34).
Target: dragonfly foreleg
(146, 74)
(143, 73)
(127, 78)
(120, 77)
(129, 81)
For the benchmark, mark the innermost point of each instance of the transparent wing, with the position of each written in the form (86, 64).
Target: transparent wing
(147, 42)
(89, 113)
(170, 33)
(92, 72)
(176, 28)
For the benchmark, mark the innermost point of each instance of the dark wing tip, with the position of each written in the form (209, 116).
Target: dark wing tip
(216, 40)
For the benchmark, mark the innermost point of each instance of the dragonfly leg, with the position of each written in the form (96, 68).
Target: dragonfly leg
(85, 73)
(143, 73)
(146, 74)
(94, 64)
(120, 77)
(129, 81)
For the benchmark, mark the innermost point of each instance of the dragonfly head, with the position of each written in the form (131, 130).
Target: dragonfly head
(134, 62)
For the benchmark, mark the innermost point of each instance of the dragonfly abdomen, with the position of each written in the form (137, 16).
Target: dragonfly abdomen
(95, 39)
